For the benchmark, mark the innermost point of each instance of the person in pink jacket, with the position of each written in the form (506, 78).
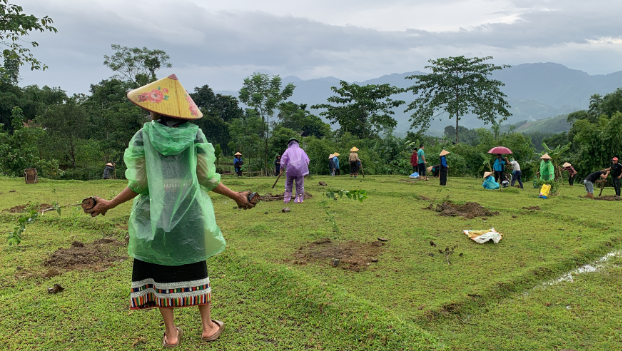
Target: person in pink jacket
(296, 163)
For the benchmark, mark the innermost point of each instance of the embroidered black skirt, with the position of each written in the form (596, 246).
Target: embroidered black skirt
(154, 285)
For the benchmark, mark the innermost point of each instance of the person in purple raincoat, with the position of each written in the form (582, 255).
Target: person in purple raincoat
(296, 163)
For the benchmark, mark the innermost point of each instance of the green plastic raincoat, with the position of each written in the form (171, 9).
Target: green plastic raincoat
(172, 221)
(546, 170)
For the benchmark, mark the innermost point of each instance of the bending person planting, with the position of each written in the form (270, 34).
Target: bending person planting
(296, 163)
(172, 227)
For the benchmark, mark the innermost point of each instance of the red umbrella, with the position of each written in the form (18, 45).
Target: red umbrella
(500, 150)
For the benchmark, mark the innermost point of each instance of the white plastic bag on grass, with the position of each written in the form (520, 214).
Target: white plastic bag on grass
(482, 236)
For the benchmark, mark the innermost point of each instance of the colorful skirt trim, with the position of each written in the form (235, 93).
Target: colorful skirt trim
(169, 286)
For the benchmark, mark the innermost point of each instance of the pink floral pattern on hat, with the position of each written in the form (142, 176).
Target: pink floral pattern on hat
(194, 110)
(156, 95)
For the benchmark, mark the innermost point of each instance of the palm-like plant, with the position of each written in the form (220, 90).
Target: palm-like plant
(487, 158)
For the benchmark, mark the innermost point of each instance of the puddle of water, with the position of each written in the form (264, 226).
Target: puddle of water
(588, 268)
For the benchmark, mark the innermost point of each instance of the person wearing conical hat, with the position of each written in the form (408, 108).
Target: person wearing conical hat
(238, 163)
(336, 163)
(354, 162)
(571, 172)
(108, 170)
(172, 227)
(489, 181)
(331, 165)
(547, 171)
(443, 167)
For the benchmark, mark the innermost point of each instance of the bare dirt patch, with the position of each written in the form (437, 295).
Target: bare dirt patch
(97, 255)
(468, 210)
(352, 255)
(532, 208)
(24, 208)
(279, 197)
(608, 198)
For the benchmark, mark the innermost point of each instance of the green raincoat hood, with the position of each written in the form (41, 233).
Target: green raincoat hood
(171, 141)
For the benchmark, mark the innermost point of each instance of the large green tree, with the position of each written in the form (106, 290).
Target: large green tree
(112, 118)
(218, 112)
(297, 117)
(362, 111)
(66, 124)
(457, 86)
(14, 26)
(264, 94)
(223, 106)
(20, 150)
(135, 64)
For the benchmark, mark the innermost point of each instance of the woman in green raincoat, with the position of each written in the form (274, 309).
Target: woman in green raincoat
(547, 171)
(172, 227)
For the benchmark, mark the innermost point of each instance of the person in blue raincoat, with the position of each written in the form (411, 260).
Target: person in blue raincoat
(336, 162)
(489, 181)
(237, 163)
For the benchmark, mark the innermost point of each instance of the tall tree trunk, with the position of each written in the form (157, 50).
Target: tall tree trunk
(457, 139)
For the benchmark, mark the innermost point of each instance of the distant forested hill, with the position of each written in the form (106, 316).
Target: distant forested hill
(557, 124)
(535, 91)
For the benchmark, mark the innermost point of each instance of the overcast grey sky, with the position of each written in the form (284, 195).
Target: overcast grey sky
(221, 42)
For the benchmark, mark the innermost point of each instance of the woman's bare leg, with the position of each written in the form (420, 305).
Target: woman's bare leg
(169, 324)
(209, 327)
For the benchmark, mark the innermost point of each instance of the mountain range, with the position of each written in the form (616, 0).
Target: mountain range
(535, 91)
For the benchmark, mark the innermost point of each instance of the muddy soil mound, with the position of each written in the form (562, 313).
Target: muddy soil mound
(532, 208)
(279, 197)
(24, 208)
(468, 210)
(608, 198)
(352, 255)
(97, 255)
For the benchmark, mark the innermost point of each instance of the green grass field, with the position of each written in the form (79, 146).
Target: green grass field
(492, 297)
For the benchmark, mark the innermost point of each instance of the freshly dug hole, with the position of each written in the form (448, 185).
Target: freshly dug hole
(354, 256)
(608, 198)
(97, 255)
(24, 208)
(280, 197)
(468, 210)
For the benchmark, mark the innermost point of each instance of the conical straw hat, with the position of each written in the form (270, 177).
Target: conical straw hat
(545, 157)
(566, 165)
(444, 152)
(336, 154)
(330, 157)
(237, 154)
(487, 174)
(166, 97)
(354, 149)
(108, 164)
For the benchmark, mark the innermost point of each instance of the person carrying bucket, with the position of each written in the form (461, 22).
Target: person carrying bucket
(547, 171)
